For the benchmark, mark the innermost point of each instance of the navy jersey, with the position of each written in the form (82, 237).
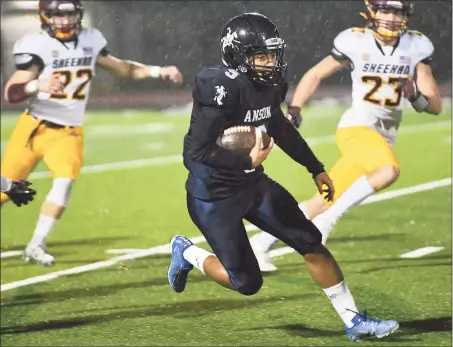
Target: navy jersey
(223, 98)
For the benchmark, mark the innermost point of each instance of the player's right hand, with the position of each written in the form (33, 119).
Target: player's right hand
(21, 193)
(294, 116)
(171, 73)
(52, 85)
(410, 89)
(258, 154)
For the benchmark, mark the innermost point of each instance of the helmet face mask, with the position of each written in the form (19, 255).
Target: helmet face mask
(388, 19)
(62, 19)
(266, 64)
(248, 43)
(262, 61)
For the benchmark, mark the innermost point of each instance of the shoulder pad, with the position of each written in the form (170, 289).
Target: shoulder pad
(414, 32)
(30, 44)
(423, 45)
(216, 87)
(96, 37)
(348, 36)
(344, 41)
(360, 30)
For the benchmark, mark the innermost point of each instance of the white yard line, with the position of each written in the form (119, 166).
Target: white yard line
(9, 254)
(153, 146)
(407, 191)
(420, 252)
(125, 129)
(120, 165)
(165, 248)
(173, 159)
(420, 128)
(123, 250)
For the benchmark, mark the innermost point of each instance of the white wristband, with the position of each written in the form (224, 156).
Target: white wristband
(31, 87)
(154, 71)
(6, 184)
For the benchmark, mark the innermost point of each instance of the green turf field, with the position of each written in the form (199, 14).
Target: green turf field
(131, 195)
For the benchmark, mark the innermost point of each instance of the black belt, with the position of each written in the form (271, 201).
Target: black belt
(48, 124)
(52, 125)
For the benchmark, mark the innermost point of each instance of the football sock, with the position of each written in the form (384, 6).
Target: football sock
(343, 302)
(44, 227)
(356, 193)
(303, 207)
(196, 256)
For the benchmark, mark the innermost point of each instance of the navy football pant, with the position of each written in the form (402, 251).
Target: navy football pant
(265, 204)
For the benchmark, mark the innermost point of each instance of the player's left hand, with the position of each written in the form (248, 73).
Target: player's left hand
(21, 193)
(171, 73)
(410, 89)
(323, 180)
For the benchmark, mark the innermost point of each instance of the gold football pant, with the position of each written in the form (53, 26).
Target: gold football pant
(61, 149)
(363, 150)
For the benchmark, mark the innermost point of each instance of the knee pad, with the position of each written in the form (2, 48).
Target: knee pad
(305, 240)
(248, 285)
(61, 191)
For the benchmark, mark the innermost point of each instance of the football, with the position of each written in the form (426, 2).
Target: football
(241, 139)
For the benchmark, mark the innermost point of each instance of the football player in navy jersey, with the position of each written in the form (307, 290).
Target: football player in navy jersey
(225, 187)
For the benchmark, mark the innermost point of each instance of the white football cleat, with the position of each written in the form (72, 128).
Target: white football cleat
(38, 254)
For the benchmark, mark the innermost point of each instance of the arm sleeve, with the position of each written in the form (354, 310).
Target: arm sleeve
(104, 52)
(214, 100)
(292, 143)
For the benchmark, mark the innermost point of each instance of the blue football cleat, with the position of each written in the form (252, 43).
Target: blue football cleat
(365, 326)
(179, 267)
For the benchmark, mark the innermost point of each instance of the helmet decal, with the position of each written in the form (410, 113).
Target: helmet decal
(229, 40)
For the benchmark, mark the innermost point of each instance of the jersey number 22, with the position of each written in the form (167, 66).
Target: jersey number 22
(84, 75)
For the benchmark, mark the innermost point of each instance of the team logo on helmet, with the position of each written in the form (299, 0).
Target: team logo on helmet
(229, 40)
